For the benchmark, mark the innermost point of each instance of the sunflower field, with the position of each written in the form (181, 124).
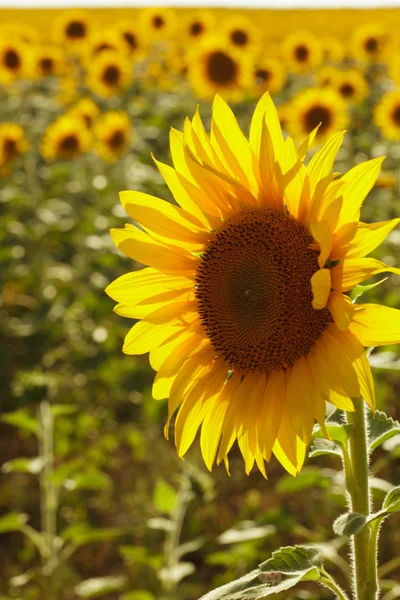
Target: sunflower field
(94, 501)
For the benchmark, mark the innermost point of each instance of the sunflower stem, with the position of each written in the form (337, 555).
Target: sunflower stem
(357, 483)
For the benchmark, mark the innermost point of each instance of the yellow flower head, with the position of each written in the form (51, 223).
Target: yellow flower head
(243, 305)
(369, 43)
(332, 50)
(112, 135)
(158, 23)
(351, 85)
(86, 110)
(102, 41)
(132, 37)
(72, 28)
(317, 107)
(109, 73)
(15, 60)
(65, 139)
(327, 76)
(50, 61)
(269, 75)
(240, 33)
(13, 143)
(198, 23)
(213, 68)
(387, 115)
(302, 51)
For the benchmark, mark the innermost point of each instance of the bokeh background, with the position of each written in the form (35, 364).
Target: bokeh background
(94, 501)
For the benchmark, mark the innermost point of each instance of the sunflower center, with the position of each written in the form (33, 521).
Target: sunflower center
(396, 115)
(347, 90)
(10, 149)
(76, 30)
(318, 115)
(69, 145)
(12, 60)
(371, 45)
(196, 28)
(130, 39)
(221, 68)
(111, 75)
(117, 140)
(254, 292)
(302, 53)
(239, 37)
(263, 75)
(158, 22)
(47, 65)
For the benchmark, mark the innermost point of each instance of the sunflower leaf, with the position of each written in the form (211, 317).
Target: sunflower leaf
(349, 524)
(359, 290)
(381, 428)
(391, 502)
(287, 567)
(321, 446)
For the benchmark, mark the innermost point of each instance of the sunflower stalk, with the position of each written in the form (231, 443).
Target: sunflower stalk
(364, 543)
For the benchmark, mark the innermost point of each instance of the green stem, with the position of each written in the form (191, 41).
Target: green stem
(357, 483)
(331, 584)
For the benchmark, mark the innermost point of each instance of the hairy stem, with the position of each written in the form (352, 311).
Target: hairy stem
(357, 483)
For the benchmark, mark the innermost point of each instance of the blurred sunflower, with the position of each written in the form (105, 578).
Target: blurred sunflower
(327, 75)
(157, 22)
(86, 110)
(243, 306)
(13, 143)
(109, 73)
(240, 33)
(19, 31)
(49, 61)
(269, 75)
(394, 68)
(317, 107)
(112, 135)
(100, 41)
(368, 42)
(65, 139)
(352, 86)
(132, 36)
(212, 68)
(301, 51)
(15, 60)
(332, 50)
(198, 23)
(387, 115)
(72, 28)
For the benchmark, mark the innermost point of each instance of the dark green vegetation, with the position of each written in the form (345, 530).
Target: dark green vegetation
(122, 517)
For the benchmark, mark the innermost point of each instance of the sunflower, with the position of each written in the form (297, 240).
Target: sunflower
(394, 68)
(72, 28)
(13, 143)
(302, 51)
(158, 22)
(352, 86)
(240, 33)
(243, 306)
(85, 109)
(100, 42)
(131, 36)
(369, 43)
(332, 50)
(65, 139)
(109, 73)
(198, 23)
(15, 60)
(387, 115)
(112, 135)
(19, 31)
(327, 75)
(213, 68)
(269, 75)
(317, 107)
(50, 61)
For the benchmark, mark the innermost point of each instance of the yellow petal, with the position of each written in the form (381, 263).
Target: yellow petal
(338, 369)
(321, 287)
(300, 399)
(358, 182)
(137, 286)
(342, 310)
(271, 412)
(328, 383)
(267, 169)
(305, 146)
(323, 236)
(321, 163)
(368, 237)
(265, 110)
(141, 309)
(289, 449)
(376, 325)
(350, 272)
(141, 247)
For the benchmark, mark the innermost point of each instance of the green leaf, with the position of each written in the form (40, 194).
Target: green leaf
(245, 531)
(13, 522)
(138, 595)
(391, 502)
(381, 428)
(21, 419)
(92, 479)
(82, 533)
(176, 573)
(64, 471)
(388, 361)
(59, 410)
(23, 465)
(349, 524)
(309, 477)
(359, 290)
(321, 446)
(164, 497)
(99, 586)
(287, 567)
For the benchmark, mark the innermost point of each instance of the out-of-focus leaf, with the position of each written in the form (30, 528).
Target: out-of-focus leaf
(58, 410)
(176, 573)
(381, 428)
(99, 586)
(23, 578)
(92, 479)
(64, 471)
(23, 465)
(309, 477)
(81, 534)
(189, 547)
(391, 502)
(389, 361)
(160, 523)
(245, 531)
(138, 595)
(21, 419)
(164, 497)
(13, 522)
